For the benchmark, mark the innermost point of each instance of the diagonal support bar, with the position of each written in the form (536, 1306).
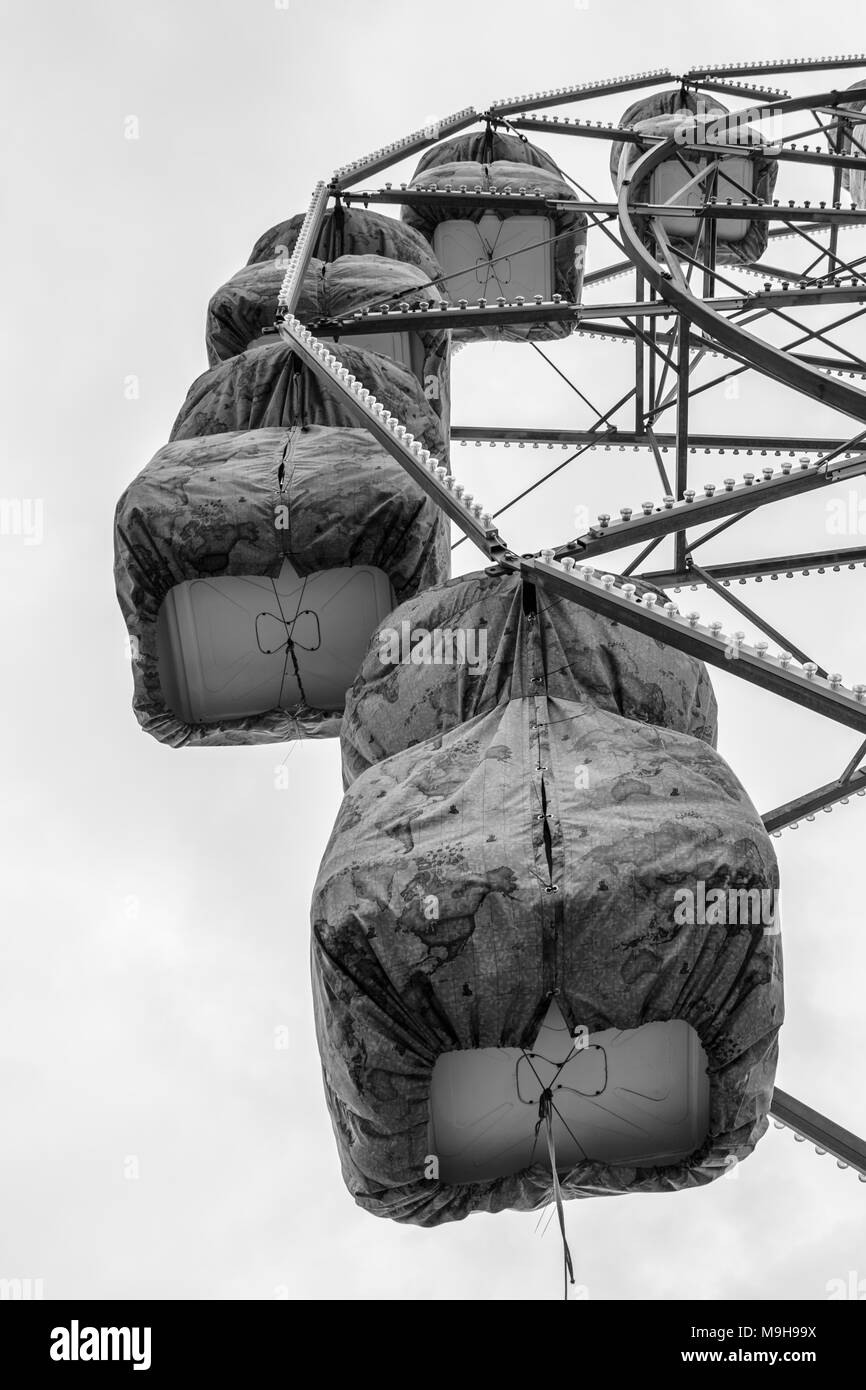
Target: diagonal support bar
(776, 674)
(745, 498)
(832, 792)
(393, 437)
(848, 1149)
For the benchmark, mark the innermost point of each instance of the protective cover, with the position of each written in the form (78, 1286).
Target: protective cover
(663, 114)
(497, 164)
(242, 504)
(853, 179)
(590, 660)
(350, 232)
(532, 850)
(270, 387)
(247, 304)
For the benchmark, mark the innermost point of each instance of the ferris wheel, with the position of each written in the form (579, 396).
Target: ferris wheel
(342, 326)
(694, 216)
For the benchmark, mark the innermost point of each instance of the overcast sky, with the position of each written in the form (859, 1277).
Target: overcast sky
(158, 1139)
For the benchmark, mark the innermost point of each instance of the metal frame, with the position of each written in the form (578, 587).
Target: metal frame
(705, 322)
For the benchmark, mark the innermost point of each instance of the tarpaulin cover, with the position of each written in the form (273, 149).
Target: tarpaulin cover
(350, 232)
(467, 162)
(547, 883)
(241, 504)
(854, 180)
(847, 128)
(270, 386)
(247, 303)
(487, 147)
(663, 114)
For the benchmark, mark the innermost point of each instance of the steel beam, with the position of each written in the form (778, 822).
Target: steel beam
(772, 673)
(847, 1148)
(792, 812)
(772, 361)
(747, 497)
(582, 91)
(786, 565)
(308, 235)
(384, 430)
(402, 149)
(725, 443)
(766, 66)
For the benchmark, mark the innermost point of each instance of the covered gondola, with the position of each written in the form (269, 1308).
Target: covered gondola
(501, 919)
(501, 253)
(747, 176)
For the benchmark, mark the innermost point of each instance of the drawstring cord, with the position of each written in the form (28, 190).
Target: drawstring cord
(545, 1117)
(546, 1111)
(290, 644)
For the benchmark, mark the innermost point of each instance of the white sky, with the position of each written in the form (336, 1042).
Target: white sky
(156, 903)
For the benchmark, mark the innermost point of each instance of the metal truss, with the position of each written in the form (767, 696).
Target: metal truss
(686, 308)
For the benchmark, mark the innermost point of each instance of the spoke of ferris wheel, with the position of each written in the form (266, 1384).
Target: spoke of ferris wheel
(848, 1149)
(746, 612)
(715, 504)
(789, 815)
(427, 472)
(776, 566)
(600, 594)
(308, 233)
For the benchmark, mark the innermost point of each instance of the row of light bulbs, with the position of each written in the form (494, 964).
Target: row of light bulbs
(773, 64)
(341, 374)
(407, 141)
(299, 250)
(735, 641)
(579, 87)
(801, 1139)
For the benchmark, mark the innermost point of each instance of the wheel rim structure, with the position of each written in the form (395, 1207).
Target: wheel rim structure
(694, 325)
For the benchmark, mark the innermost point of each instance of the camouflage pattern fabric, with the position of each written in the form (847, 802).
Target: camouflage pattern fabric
(210, 506)
(487, 147)
(270, 387)
(547, 883)
(247, 304)
(854, 180)
(350, 232)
